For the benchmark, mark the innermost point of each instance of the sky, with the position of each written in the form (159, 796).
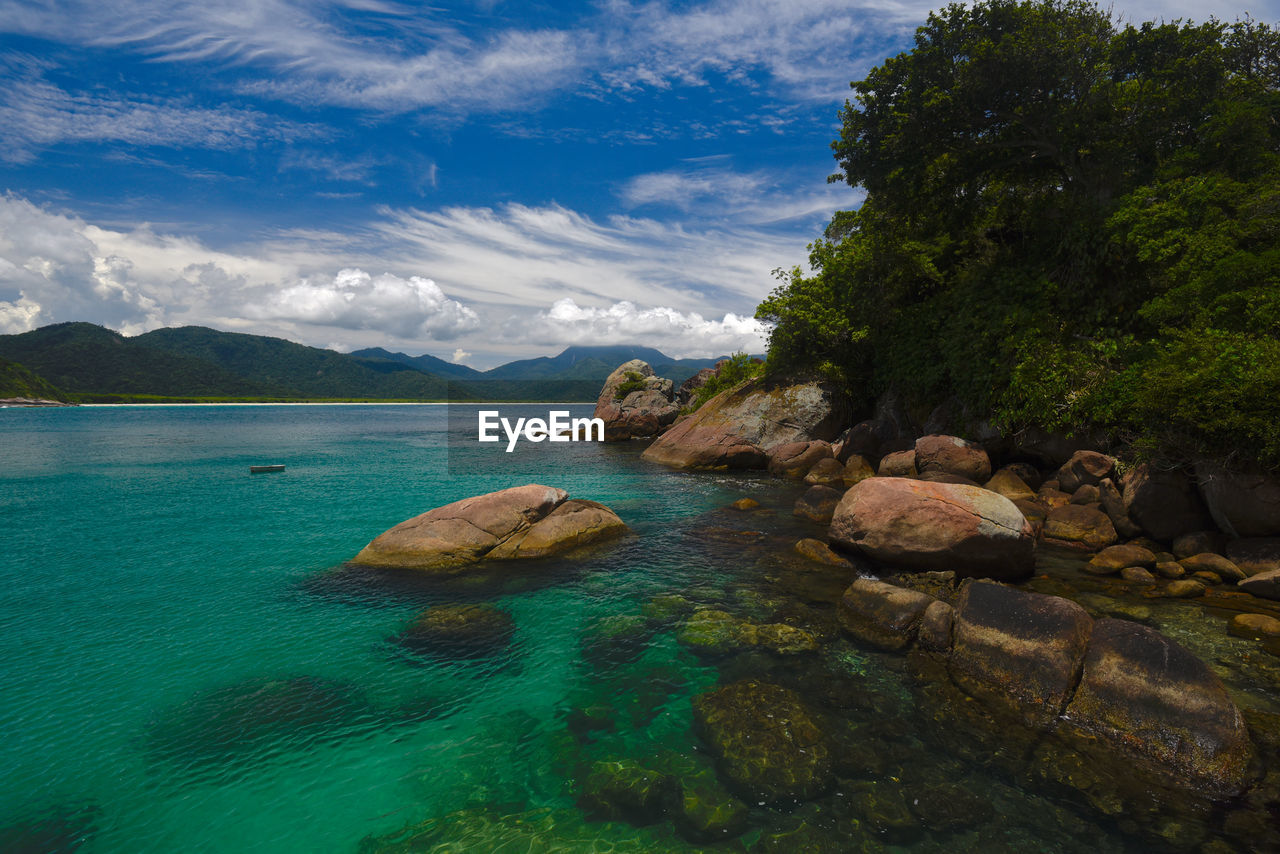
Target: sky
(481, 181)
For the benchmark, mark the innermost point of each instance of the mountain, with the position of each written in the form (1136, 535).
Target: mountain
(596, 363)
(426, 363)
(17, 381)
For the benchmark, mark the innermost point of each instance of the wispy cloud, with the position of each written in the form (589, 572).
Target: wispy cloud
(713, 191)
(35, 114)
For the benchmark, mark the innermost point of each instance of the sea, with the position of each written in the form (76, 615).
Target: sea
(188, 663)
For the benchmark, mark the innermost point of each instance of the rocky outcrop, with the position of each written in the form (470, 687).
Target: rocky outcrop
(635, 404)
(1243, 505)
(737, 428)
(1045, 660)
(688, 388)
(766, 742)
(520, 522)
(921, 525)
(1164, 503)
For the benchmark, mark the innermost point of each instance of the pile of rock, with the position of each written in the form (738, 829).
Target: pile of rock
(1044, 659)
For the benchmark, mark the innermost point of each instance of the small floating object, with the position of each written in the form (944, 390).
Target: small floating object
(265, 469)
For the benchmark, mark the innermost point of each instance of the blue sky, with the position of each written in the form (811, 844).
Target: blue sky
(480, 180)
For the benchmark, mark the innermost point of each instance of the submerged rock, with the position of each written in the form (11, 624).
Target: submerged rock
(520, 522)
(463, 631)
(635, 404)
(738, 427)
(766, 742)
(920, 525)
(623, 789)
(706, 811)
(818, 504)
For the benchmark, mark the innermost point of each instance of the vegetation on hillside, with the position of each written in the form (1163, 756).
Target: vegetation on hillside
(17, 381)
(1068, 224)
(733, 371)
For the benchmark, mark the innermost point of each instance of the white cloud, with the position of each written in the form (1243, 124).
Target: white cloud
(675, 333)
(504, 283)
(406, 308)
(718, 193)
(460, 356)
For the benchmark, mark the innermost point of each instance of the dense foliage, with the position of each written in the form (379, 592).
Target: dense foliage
(730, 372)
(1068, 224)
(17, 381)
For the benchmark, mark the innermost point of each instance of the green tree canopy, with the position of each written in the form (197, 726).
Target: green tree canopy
(1068, 223)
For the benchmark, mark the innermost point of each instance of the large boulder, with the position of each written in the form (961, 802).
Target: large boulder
(766, 742)
(1141, 690)
(1243, 505)
(882, 614)
(1079, 526)
(794, 459)
(635, 404)
(1164, 503)
(520, 522)
(1265, 585)
(952, 455)
(935, 526)
(1018, 649)
(738, 427)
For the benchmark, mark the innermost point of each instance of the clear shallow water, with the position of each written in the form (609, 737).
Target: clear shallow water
(187, 666)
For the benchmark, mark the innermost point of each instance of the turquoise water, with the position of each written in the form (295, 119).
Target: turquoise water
(187, 664)
(146, 571)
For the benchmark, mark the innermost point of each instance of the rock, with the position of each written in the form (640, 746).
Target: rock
(947, 807)
(666, 608)
(616, 639)
(1265, 585)
(1112, 559)
(820, 552)
(882, 810)
(1137, 575)
(464, 631)
(1029, 474)
(1217, 564)
(1052, 497)
(818, 503)
(1187, 588)
(952, 455)
(1255, 555)
(688, 388)
(1113, 505)
(523, 521)
(713, 632)
(826, 472)
(856, 470)
(1017, 649)
(794, 459)
(1164, 503)
(1198, 542)
(1170, 569)
(635, 404)
(574, 523)
(1243, 505)
(737, 427)
(624, 789)
(1207, 577)
(781, 639)
(745, 504)
(1254, 626)
(1085, 468)
(898, 464)
(1008, 484)
(946, 477)
(866, 439)
(934, 634)
(919, 525)
(882, 614)
(765, 740)
(1142, 691)
(1086, 494)
(1080, 527)
(705, 811)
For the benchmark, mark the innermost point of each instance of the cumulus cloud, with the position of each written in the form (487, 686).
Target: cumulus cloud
(353, 299)
(683, 335)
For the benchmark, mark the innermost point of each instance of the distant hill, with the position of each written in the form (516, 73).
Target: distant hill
(89, 362)
(17, 381)
(426, 363)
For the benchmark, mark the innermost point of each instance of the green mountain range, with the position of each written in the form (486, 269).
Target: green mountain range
(92, 364)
